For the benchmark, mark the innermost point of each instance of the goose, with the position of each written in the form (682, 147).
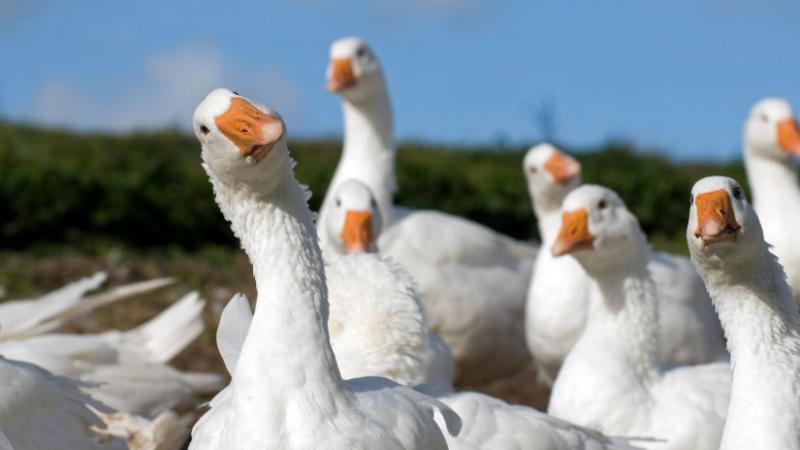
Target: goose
(128, 371)
(612, 378)
(757, 310)
(286, 390)
(558, 297)
(31, 317)
(382, 297)
(472, 279)
(771, 137)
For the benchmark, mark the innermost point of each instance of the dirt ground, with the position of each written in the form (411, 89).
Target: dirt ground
(217, 274)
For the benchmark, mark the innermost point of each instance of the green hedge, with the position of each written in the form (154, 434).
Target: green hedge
(147, 189)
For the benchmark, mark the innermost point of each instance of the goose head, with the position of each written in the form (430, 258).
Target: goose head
(242, 142)
(354, 71)
(771, 130)
(355, 221)
(551, 175)
(598, 230)
(722, 226)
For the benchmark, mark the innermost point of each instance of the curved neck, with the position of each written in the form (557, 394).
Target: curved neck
(756, 308)
(624, 315)
(762, 327)
(286, 361)
(368, 154)
(771, 181)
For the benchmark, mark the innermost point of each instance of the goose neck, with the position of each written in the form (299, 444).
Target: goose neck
(286, 360)
(548, 215)
(624, 313)
(762, 327)
(368, 125)
(756, 307)
(768, 176)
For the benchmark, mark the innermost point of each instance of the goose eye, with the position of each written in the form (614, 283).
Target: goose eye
(361, 52)
(533, 170)
(691, 199)
(204, 129)
(235, 93)
(737, 193)
(373, 203)
(601, 204)
(338, 202)
(763, 117)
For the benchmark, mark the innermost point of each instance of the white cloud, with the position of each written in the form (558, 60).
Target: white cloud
(166, 92)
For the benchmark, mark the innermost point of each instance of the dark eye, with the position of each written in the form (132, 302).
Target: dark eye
(235, 93)
(373, 203)
(737, 192)
(763, 117)
(361, 52)
(204, 129)
(691, 199)
(533, 170)
(601, 204)
(338, 202)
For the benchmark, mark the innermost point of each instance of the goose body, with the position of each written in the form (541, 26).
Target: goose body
(486, 422)
(490, 423)
(43, 411)
(757, 310)
(558, 297)
(612, 378)
(126, 370)
(286, 391)
(472, 279)
(771, 138)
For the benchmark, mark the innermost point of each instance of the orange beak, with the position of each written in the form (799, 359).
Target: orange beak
(789, 136)
(342, 76)
(562, 167)
(715, 219)
(574, 235)
(253, 131)
(357, 232)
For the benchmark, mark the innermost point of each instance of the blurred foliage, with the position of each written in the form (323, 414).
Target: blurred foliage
(147, 189)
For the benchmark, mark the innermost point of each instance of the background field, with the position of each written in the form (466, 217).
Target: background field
(139, 206)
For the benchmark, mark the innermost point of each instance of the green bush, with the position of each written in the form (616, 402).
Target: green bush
(147, 189)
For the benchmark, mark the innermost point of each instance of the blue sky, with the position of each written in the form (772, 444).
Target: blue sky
(678, 75)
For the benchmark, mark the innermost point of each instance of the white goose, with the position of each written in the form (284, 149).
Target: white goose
(612, 378)
(771, 137)
(758, 312)
(558, 298)
(127, 370)
(472, 279)
(366, 309)
(286, 391)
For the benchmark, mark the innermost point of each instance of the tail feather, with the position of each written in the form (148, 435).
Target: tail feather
(22, 318)
(91, 303)
(167, 334)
